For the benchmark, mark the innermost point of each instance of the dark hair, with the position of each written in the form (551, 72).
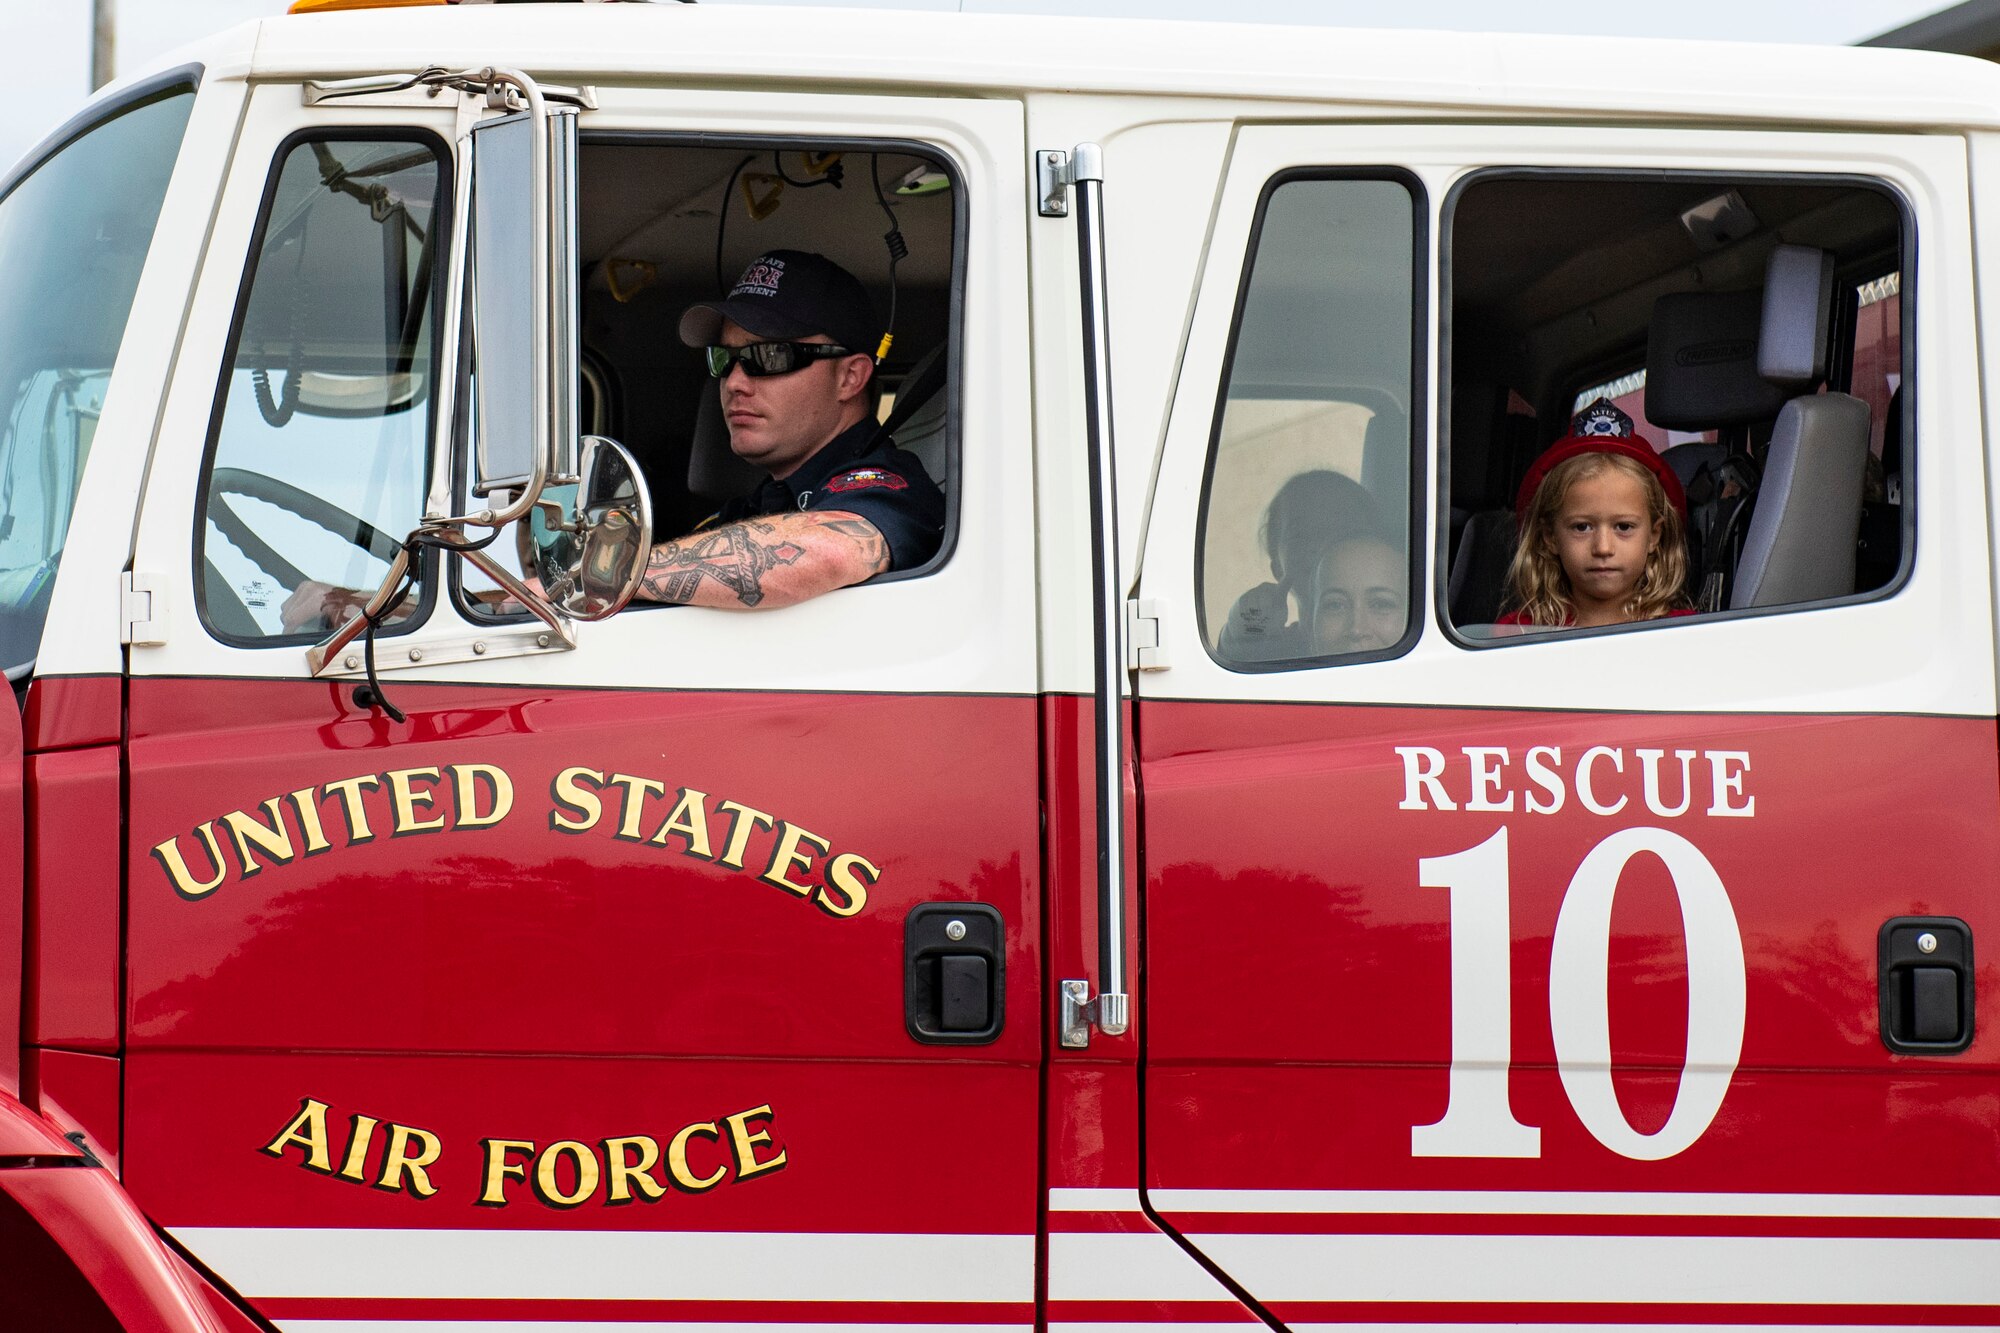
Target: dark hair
(1320, 508)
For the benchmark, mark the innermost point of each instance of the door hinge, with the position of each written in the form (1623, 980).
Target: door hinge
(1057, 170)
(1108, 1014)
(142, 611)
(1143, 650)
(1052, 182)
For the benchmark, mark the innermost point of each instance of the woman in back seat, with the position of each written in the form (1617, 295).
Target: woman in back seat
(1311, 513)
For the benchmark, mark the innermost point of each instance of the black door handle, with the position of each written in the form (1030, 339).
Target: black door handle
(1924, 979)
(954, 973)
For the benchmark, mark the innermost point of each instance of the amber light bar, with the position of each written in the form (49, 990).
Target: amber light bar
(328, 6)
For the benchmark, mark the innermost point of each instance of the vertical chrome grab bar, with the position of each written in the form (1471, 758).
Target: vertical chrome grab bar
(1086, 173)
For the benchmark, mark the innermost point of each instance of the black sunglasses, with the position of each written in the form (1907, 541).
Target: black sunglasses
(760, 359)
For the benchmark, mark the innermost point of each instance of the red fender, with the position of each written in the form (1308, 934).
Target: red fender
(82, 1209)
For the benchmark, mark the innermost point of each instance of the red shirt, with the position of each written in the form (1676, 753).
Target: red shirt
(1517, 618)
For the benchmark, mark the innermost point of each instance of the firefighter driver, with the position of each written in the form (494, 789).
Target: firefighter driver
(792, 344)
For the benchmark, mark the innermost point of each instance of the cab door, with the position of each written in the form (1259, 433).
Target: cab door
(13, 869)
(1542, 981)
(597, 989)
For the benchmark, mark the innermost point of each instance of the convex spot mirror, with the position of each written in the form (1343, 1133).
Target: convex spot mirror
(586, 543)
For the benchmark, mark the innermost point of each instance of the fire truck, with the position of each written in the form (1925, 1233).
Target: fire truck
(1121, 921)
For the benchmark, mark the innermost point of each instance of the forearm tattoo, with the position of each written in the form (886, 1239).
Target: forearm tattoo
(868, 543)
(739, 556)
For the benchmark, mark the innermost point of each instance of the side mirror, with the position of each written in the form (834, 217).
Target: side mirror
(520, 303)
(588, 542)
(513, 305)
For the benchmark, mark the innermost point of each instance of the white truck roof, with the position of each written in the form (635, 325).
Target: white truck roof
(1423, 73)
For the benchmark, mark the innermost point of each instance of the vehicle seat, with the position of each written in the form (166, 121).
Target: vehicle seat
(919, 419)
(715, 473)
(1701, 374)
(1690, 460)
(1881, 546)
(1482, 539)
(1704, 470)
(1477, 590)
(1385, 471)
(1801, 542)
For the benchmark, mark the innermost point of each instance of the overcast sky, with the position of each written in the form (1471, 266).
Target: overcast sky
(50, 39)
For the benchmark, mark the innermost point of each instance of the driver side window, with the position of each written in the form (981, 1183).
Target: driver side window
(319, 449)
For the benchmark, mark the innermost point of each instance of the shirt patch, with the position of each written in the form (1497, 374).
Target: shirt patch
(867, 478)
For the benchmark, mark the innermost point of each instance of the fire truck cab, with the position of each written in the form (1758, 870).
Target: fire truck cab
(1192, 898)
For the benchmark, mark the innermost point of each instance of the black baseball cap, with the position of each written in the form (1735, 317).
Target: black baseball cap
(790, 294)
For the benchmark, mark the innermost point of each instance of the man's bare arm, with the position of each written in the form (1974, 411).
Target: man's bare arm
(320, 606)
(768, 562)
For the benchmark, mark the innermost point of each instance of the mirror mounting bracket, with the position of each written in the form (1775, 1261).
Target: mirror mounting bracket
(330, 657)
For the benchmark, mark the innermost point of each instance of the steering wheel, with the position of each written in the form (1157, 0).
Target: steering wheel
(293, 500)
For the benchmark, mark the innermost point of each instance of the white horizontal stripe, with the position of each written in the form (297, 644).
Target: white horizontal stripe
(1245, 1325)
(615, 1265)
(1115, 1266)
(1093, 1201)
(1248, 1325)
(597, 1326)
(1649, 1327)
(1755, 1270)
(1060, 1326)
(1577, 1203)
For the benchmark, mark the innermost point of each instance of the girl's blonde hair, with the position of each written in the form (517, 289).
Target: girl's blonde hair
(1541, 591)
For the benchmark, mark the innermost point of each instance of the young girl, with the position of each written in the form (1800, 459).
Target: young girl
(1602, 522)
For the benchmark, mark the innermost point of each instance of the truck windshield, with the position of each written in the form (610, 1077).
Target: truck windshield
(73, 237)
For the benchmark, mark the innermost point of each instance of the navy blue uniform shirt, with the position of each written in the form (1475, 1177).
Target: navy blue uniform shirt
(858, 474)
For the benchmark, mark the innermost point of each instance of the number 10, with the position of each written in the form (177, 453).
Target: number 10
(1478, 1119)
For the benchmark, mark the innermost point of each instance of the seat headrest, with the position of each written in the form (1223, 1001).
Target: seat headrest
(1701, 362)
(1798, 304)
(1687, 460)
